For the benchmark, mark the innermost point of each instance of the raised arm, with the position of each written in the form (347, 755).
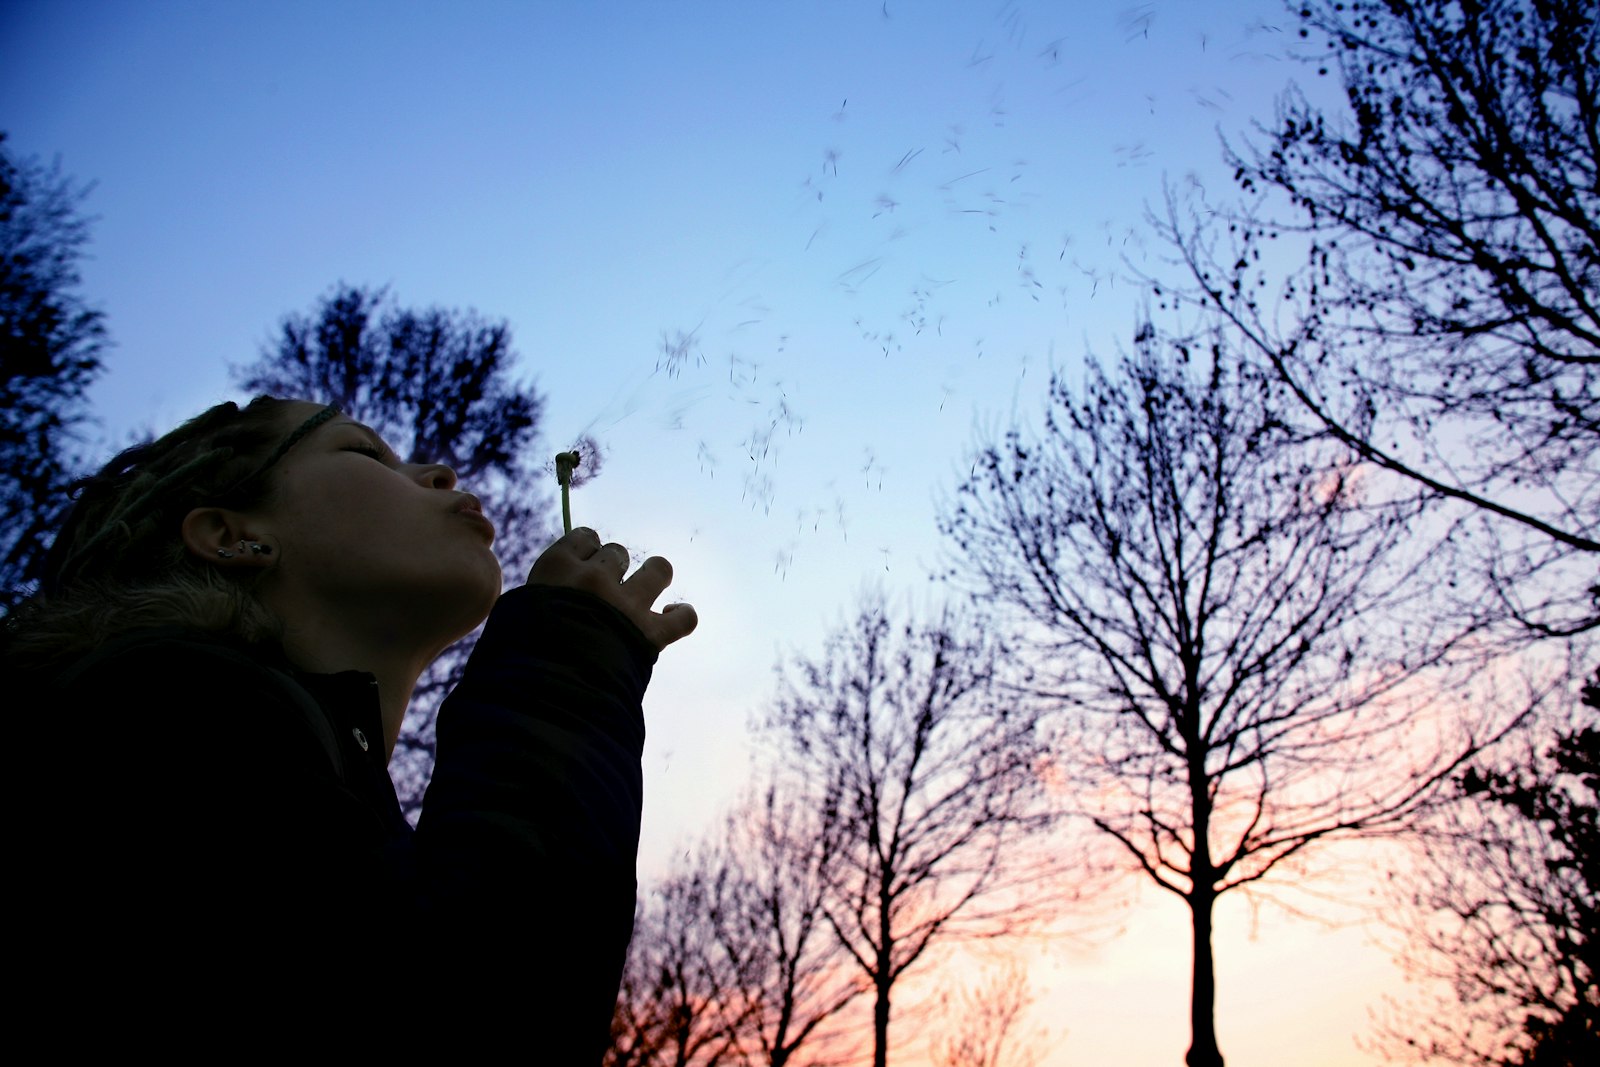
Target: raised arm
(530, 828)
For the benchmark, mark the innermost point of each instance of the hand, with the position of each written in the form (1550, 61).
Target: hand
(578, 560)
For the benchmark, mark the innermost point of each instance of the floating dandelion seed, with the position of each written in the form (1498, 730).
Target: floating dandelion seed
(675, 350)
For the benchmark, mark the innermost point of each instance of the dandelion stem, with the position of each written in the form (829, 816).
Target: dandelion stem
(565, 463)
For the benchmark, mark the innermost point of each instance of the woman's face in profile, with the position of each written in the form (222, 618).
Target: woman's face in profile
(361, 533)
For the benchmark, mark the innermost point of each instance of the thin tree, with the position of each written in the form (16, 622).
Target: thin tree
(986, 1024)
(790, 976)
(1446, 322)
(50, 346)
(733, 959)
(676, 1007)
(438, 385)
(1208, 610)
(927, 780)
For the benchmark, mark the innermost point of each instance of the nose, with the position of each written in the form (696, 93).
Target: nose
(436, 476)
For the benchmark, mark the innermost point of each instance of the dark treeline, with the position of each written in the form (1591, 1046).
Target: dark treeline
(51, 342)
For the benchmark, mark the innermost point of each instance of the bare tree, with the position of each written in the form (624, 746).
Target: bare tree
(733, 960)
(1445, 324)
(790, 978)
(676, 1006)
(1215, 617)
(927, 780)
(988, 1024)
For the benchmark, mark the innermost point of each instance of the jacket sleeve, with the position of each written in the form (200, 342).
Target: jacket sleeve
(530, 827)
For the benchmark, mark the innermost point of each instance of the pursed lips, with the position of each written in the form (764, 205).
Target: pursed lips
(471, 507)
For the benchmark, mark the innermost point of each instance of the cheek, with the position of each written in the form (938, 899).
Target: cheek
(356, 499)
(330, 523)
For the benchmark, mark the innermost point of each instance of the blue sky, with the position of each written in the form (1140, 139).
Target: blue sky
(874, 227)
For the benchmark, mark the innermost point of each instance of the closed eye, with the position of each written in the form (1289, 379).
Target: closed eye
(366, 450)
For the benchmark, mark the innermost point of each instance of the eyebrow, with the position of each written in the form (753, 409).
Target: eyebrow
(373, 435)
(354, 425)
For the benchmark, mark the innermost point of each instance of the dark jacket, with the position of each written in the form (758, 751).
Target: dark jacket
(206, 846)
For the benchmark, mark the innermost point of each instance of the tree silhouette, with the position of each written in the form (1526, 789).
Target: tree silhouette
(987, 1030)
(927, 783)
(50, 345)
(1445, 324)
(677, 1005)
(1210, 611)
(791, 977)
(1509, 894)
(733, 959)
(437, 385)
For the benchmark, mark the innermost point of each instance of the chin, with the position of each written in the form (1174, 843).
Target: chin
(466, 602)
(489, 592)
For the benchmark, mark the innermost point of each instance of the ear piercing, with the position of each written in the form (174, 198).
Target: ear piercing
(256, 548)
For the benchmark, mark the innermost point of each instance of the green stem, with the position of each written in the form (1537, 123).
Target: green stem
(566, 463)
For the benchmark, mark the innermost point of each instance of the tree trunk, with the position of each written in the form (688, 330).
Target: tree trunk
(880, 1027)
(1203, 1050)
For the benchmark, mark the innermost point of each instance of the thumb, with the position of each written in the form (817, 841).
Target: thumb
(677, 621)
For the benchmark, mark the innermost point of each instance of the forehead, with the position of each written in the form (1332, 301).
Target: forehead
(295, 413)
(302, 420)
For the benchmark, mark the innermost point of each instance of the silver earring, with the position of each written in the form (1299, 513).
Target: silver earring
(224, 553)
(256, 548)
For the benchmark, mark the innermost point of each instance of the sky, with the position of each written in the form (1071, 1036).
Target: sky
(787, 262)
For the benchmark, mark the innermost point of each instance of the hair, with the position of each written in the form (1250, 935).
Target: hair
(119, 562)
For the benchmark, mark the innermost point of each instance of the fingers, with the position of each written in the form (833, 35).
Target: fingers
(581, 561)
(582, 540)
(566, 561)
(572, 557)
(676, 621)
(614, 559)
(611, 555)
(650, 580)
(671, 623)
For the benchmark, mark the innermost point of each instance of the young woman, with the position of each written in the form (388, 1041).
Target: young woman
(205, 843)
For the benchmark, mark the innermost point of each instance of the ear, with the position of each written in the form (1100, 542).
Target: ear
(224, 538)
